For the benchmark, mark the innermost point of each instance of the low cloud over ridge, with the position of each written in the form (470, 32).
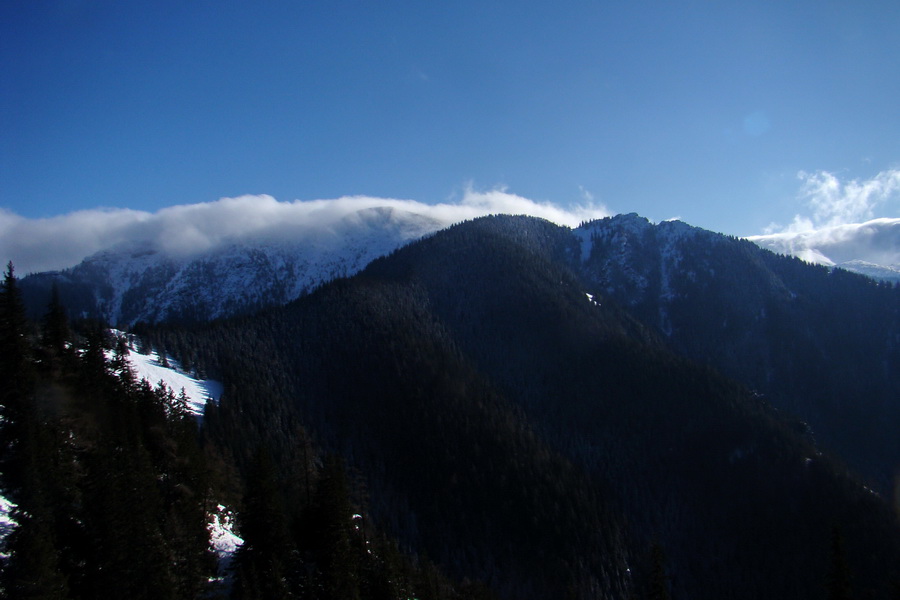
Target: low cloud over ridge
(876, 241)
(63, 241)
(840, 225)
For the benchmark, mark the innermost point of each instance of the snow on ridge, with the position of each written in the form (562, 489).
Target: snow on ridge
(242, 273)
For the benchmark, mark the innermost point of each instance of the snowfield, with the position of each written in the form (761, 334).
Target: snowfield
(150, 368)
(198, 391)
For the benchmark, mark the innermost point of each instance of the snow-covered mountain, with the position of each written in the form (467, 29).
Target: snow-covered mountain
(139, 281)
(144, 281)
(871, 248)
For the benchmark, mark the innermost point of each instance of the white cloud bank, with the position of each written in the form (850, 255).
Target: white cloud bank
(841, 224)
(59, 242)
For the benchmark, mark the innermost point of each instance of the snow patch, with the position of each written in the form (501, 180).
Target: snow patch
(222, 539)
(223, 543)
(583, 236)
(150, 367)
(198, 391)
(7, 524)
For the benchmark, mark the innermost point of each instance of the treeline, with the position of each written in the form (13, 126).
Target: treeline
(113, 485)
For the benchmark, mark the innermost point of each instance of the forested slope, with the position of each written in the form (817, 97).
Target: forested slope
(525, 435)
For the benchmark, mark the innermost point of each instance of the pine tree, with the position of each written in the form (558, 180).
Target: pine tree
(55, 331)
(33, 571)
(659, 582)
(338, 564)
(262, 563)
(838, 578)
(28, 447)
(18, 377)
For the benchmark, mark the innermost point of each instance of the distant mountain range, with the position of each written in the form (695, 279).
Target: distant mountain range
(598, 412)
(139, 282)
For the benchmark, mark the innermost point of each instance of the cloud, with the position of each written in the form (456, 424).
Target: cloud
(841, 225)
(59, 242)
(876, 241)
(833, 202)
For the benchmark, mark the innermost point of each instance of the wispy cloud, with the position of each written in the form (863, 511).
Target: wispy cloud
(876, 241)
(841, 223)
(55, 243)
(832, 202)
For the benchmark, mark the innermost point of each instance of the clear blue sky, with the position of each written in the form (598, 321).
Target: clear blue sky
(704, 110)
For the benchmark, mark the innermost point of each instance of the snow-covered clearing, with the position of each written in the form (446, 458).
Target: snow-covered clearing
(150, 367)
(198, 391)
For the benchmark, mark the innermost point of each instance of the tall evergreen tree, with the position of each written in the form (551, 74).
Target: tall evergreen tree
(262, 565)
(659, 582)
(55, 326)
(838, 578)
(17, 376)
(33, 572)
(338, 562)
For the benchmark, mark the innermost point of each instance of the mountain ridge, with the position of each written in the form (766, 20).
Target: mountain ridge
(547, 411)
(140, 281)
(458, 369)
(151, 281)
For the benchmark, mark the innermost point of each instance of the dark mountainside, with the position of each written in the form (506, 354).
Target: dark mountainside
(822, 345)
(113, 485)
(625, 410)
(521, 434)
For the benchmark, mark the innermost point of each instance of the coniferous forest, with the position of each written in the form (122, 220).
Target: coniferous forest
(113, 483)
(473, 417)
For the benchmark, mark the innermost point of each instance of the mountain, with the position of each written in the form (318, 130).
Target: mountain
(141, 282)
(594, 412)
(805, 338)
(882, 272)
(538, 408)
(821, 344)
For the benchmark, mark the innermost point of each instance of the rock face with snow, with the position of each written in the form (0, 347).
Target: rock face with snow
(138, 282)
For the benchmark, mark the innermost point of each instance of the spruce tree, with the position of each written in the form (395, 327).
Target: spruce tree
(55, 331)
(33, 572)
(659, 582)
(838, 578)
(338, 562)
(18, 378)
(262, 562)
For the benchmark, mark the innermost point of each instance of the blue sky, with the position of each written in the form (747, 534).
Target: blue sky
(707, 111)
